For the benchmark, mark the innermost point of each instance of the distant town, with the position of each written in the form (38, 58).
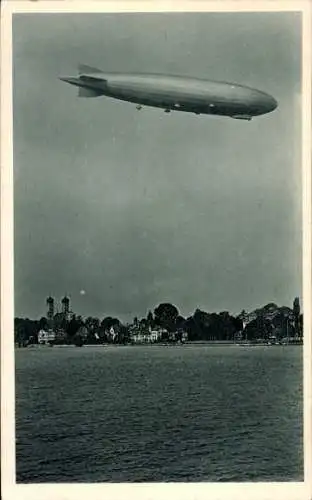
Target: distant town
(270, 324)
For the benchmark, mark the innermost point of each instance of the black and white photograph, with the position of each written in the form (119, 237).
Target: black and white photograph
(160, 322)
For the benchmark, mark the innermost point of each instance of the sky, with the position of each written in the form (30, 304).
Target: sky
(124, 209)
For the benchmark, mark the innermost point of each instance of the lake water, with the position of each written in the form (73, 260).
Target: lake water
(157, 413)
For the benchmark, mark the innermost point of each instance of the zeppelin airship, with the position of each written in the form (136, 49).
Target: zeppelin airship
(192, 95)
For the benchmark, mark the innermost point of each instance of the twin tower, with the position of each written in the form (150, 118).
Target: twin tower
(65, 312)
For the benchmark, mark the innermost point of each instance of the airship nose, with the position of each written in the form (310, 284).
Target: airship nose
(269, 103)
(264, 103)
(272, 103)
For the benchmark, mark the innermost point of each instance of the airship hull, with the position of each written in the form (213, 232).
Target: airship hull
(178, 93)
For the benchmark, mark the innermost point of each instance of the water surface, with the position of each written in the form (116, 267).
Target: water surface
(156, 413)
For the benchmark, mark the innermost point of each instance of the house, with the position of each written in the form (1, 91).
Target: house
(154, 334)
(184, 336)
(46, 337)
(138, 337)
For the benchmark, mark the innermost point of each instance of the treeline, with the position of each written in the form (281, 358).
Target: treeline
(267, 322)
(76, 331)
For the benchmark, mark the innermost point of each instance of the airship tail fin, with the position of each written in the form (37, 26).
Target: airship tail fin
(85, 92)
(83, 68)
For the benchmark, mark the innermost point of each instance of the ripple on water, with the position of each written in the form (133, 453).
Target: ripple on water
(155, 414)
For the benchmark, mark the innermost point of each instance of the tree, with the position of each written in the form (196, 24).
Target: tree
(73, 326)
(108, 322)
(251, 330)
(19, 332)
(92, 324)
(193, 329)
(123, 335)
(296, 311)
(166, 316)
(143, 323)
(180, 322)
(78, 340)
(26, 331)
(281, 325)
(150, 318)
(238, 323)
(228, 325)
(258, 328)
(43, 323)
(301, 325)
(202, 322)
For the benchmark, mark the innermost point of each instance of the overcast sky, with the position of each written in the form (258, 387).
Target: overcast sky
(137, 208)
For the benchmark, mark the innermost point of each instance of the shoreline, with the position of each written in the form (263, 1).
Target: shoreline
(210, 343)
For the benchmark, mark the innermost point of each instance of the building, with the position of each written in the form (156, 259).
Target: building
(66, 312)
(46, 337)
(57, 319)
(184, 336)
(51, 336)
(140, 335)
(50, 312)
(157, 333)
